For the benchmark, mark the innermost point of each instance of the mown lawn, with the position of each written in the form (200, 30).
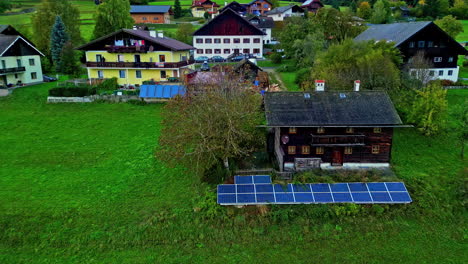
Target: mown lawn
(79, 184)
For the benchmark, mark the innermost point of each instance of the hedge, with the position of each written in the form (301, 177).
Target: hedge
(72, 91)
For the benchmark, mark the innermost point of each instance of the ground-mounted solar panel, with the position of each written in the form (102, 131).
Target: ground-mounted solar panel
(257, 189)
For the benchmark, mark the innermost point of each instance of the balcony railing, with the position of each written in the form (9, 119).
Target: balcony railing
(144, 65)
(127, 49)
(12, 70)
(338, 140)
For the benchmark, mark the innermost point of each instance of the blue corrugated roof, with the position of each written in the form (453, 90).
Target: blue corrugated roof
(161, 91)
(149, 9)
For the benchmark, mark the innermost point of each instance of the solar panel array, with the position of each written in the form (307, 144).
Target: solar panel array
(253, 190)
(161, 91)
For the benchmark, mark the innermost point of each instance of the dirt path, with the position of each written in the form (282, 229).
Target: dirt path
(271, 71)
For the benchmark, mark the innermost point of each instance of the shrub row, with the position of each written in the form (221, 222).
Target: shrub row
(72, 91)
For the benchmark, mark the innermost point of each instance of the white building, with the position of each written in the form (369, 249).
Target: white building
(282, 12)
(227, 34)
(265, 24)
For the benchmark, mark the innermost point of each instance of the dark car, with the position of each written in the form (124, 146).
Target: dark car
(205, 67)
(201, 59)
(239, 58)
(217, 59)
(46, 78)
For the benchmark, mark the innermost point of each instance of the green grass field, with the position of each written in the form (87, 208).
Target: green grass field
(464, 35)
(79, 184)
(23, 21)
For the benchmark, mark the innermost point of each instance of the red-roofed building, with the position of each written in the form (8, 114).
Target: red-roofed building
(199, 7)
(312, 5)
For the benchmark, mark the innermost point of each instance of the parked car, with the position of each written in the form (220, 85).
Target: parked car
(201, 59)
(46, 78)
(217, 59)
(239, 57)
(205, 66)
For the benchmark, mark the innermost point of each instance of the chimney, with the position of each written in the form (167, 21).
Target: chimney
(319, 85)
(357, 83)
(152, 33)
(160, 34)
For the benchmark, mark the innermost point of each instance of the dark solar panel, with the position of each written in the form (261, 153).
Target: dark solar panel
(244, 192)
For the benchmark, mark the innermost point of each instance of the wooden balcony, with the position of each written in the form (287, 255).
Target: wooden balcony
(337, 140)
(140, 65)
(12, 70)
(127, 49)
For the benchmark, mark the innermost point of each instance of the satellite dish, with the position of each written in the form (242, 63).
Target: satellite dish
(285, 139)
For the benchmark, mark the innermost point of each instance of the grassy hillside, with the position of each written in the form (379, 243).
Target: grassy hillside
(80, 185)
(23, 21)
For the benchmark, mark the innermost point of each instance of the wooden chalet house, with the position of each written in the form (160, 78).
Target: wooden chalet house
(236, 7)
(413, 37)
(282, 12)
(151, 14)
(199, 7)
(312, 5)
(20, 60)
(327, 130)
(134, 56)
(228, 34)
(258, 7)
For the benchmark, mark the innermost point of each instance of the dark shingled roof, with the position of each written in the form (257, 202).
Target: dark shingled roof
(172, 44)
(6, 41)
(263, 22)
(144, 9)
(282, 9)
(361, 108)
(396, 32)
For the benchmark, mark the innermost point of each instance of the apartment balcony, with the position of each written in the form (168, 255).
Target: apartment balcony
(337, 140)
(140, 65)
(12, 70)
(127, 49)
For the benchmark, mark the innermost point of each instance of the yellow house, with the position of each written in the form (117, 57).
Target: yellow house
(20, 61)
(135, 56)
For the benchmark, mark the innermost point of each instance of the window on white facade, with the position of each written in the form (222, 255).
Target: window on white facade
(33, 75)
(441, 73)
(32, 62)
(450, 73)
(199, 40)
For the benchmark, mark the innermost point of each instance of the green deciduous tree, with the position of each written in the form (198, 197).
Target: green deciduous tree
(459, 9)
(429, 108)
(375, 64)
(431, 8)
(184, 33)
(58, 38)
(336, 26)
(212, 127)
(451, 25)
(364, 10)
(177, 9)
(444, 7)
(44, 18)
(69, 63)
(4, 5)
(111, 16)
(381, 13)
